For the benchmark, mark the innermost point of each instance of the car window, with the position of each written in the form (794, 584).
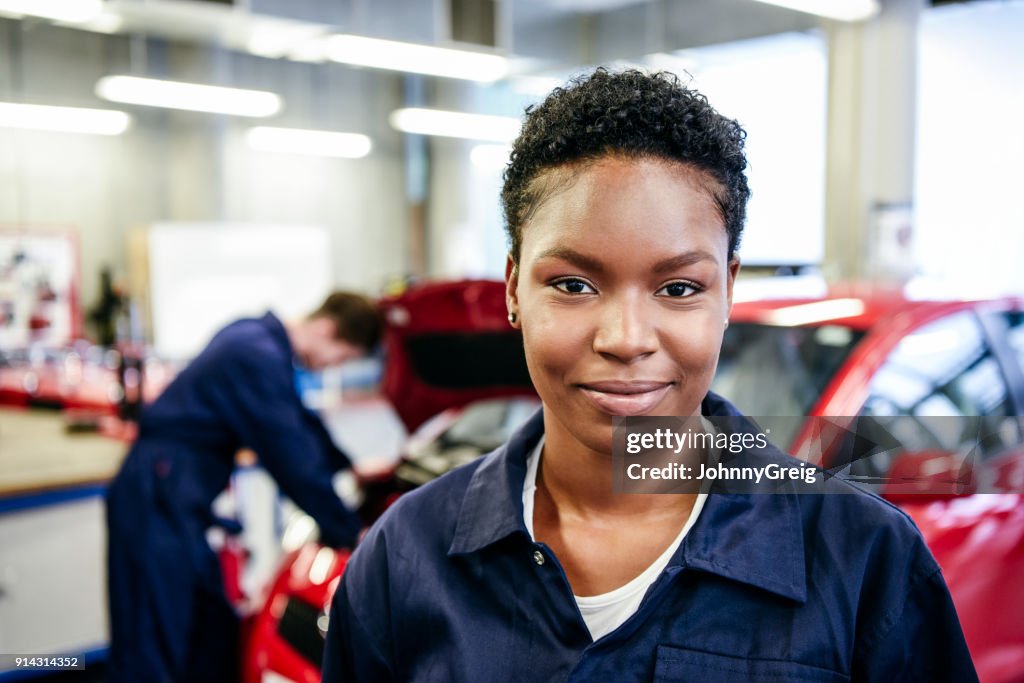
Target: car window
(944, 368)
(1015, 335)
(768, 370)
(482, 426)
(940, 390)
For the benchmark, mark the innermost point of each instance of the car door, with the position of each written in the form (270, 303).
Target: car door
(943, 395)
(949, 393)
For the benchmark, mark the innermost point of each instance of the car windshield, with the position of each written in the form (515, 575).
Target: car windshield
(768, 370)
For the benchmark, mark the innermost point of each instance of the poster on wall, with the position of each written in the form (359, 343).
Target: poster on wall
(38, 288)
(892, 242)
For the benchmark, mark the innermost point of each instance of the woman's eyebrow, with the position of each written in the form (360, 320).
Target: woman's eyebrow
(574, 257)
(592, 264)
(685, 259)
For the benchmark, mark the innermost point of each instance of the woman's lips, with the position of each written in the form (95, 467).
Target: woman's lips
(625, 398)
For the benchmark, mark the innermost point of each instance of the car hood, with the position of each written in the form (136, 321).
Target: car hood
(448, 344)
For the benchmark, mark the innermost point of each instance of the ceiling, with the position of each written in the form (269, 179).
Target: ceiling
(542, 34)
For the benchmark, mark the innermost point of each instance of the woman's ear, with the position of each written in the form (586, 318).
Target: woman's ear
(512, 291)
(734, 269)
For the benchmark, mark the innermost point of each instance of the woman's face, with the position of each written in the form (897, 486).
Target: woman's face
(622, 292)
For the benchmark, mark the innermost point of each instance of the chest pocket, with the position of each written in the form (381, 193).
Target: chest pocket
(676, 664)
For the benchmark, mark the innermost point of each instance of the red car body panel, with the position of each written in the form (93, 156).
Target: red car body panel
(978, 540)
(310, 574)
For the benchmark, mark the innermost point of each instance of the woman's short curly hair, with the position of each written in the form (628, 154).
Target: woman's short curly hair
(628, 113)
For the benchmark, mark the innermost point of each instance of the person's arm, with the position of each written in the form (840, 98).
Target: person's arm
(919, 639)
(291, 444)
(358, 646)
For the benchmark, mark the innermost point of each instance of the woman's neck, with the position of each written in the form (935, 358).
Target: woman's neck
(578, 481)
(602, 539)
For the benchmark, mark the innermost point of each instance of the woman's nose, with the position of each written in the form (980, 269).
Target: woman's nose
(625, 331)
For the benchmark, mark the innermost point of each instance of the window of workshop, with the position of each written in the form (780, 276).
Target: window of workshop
(776, 87)
(969, 146)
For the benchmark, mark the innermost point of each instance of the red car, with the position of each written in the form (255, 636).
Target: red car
(876, 356)
(946, 377)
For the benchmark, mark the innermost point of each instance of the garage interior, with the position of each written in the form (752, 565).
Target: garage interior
(884, 148)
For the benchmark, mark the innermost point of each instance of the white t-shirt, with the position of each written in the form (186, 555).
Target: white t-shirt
(606, 612)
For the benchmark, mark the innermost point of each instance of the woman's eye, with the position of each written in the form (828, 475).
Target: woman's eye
(678, 289)
(573, 286)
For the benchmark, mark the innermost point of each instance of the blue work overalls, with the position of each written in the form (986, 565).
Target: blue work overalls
(169, 617)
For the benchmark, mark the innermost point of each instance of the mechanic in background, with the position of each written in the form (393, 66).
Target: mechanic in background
(169, 617)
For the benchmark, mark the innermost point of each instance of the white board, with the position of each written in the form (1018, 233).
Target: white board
(204, 275)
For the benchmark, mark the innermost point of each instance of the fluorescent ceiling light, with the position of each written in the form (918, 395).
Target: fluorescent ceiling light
(105, 22)
(58, 10)
(455, 124)
(490, 157)
(275, 39)
(64, 119)
(803, 314)
(414, 58)
(312, 50)
(312, 142)
(842, 10)
(190, 96)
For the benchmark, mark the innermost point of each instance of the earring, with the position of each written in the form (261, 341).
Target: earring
(727, 322)
(511, 318)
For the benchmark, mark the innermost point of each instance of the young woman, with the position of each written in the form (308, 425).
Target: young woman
(625, 200)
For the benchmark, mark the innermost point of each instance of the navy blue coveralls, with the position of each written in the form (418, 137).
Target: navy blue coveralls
(780, 588)
(169, 617)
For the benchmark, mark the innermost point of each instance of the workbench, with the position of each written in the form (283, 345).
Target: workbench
(37, 454)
